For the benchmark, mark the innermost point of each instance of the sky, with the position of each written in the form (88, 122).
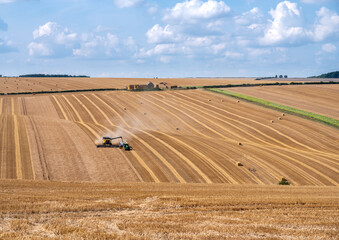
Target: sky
(169, 38)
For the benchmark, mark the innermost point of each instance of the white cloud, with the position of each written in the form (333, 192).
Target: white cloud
(249, 18)
(191, 10)
(127, 3)
(45, 30)
(326, 25)
(98, 46)
(158, 34)
(38, 49)
(329, 47)
(53, 40)
(286, 26)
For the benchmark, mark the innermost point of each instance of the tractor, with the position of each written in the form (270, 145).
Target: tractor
(107, 143)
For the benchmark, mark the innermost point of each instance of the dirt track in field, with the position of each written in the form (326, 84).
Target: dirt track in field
(321, 99)
(177, 136)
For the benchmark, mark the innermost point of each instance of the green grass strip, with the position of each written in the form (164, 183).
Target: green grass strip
(313, 116)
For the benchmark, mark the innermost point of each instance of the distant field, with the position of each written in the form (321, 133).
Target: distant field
(13, 85)
(321, 99)
(52, 210)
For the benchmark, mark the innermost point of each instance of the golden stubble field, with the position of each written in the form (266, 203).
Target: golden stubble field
(55, 210)
(177, 136)
(182, 178)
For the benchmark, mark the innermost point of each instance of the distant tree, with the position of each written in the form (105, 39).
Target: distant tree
(53, 75)
(276, 76)
(280, 76)
(285, 76)
(328, 75)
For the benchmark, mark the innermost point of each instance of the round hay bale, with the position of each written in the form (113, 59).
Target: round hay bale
(209, 100)
(272, 121)
(239, 164)
(222, 100)
(177, 128)
(239, 143)
(124, 108)
(283, 114)
(238, 101)
(279, 118)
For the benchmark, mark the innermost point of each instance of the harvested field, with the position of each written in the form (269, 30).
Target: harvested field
(16, 84)
(320, 99)
(50, 210)
(177, 136)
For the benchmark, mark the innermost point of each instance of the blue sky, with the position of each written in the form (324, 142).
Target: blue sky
(168, 38)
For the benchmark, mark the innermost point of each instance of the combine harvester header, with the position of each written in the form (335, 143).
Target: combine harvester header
(107, 142)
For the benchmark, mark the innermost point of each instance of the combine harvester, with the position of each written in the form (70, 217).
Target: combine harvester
(107, 142)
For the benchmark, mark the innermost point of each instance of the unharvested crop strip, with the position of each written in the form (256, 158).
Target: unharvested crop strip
(17, 149)
(60, 107)
(73, 108)
(23, 104)
(271, 128)
(113, 110)
(174, 115)
(197, 121)
(80, 119)
(140, 160)
(84, 106)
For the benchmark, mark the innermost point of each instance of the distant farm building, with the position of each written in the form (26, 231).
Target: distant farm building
(149, 85)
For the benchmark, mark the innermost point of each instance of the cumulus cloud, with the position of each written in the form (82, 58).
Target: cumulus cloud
(329, 47)
(286, 26)
(45, 30)
(158, 34)
(98, 46)
(127, 3)
(52, 40)
(192, 10)
(39, 49)
(326, 25)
